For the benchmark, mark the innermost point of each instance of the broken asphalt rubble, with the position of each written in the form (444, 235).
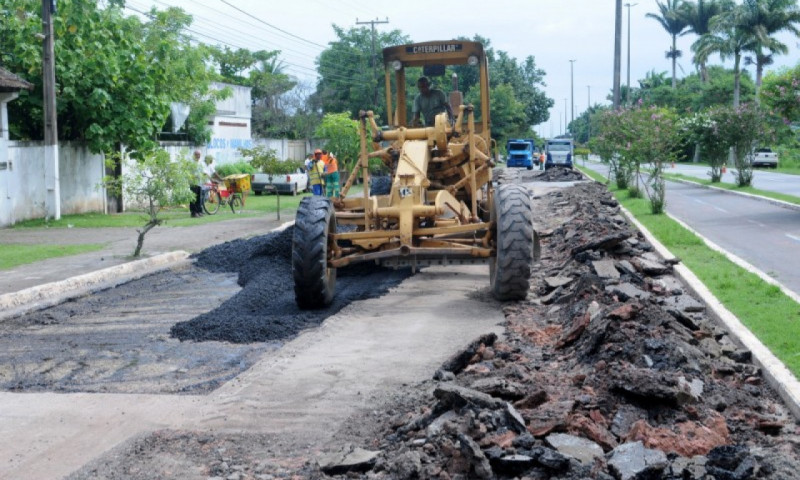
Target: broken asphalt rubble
(609, 370)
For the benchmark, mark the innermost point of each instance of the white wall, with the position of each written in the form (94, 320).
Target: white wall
(22, 184)
(286, 149)
(230, 126)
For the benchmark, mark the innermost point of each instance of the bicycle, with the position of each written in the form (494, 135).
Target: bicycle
(214, 197)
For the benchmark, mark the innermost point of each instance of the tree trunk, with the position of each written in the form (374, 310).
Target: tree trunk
(142, 233)
(759, 75)
(703, 72)
(617, 52)
(736, 78)
(674, 54)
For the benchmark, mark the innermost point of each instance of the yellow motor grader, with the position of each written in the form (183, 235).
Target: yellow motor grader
(442, 207)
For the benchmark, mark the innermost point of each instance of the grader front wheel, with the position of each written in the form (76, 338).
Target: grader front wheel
(314, 281)
(515, 241)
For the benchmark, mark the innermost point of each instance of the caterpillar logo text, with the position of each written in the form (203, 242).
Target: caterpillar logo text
(441, 48)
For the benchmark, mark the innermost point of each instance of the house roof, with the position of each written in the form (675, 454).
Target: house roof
(12, 83)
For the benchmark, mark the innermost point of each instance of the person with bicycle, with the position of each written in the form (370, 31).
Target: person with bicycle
(211, 172)
(198, 180)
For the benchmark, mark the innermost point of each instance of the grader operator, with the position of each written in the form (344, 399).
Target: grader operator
(442, 207)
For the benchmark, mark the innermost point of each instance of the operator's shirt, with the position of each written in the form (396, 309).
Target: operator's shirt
(429, 106)
(331, 165)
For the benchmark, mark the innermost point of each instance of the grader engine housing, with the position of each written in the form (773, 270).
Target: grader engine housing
(441, 207)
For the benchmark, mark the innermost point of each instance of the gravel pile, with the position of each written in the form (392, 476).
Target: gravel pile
(558, 174)
(265, 308)
(609, 370)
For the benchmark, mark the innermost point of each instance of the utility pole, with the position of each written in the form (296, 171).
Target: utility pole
(617, 50)
(588, 112)
(566, 129)
(572, 91)
(374, 76)
(51, 177)
(628, 93)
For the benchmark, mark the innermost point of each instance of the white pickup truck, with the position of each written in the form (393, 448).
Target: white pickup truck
(280, 183)
(765, 157)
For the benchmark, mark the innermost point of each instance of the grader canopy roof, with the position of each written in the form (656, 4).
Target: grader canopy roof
(449, 52)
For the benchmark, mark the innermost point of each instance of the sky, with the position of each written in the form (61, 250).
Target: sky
(552, 31)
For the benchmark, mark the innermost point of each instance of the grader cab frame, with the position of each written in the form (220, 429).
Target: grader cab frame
(441, 208)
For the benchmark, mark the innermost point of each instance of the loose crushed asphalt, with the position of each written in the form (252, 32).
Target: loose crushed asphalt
(265, 308)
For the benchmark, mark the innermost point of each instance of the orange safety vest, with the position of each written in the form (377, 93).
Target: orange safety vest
(330, 163)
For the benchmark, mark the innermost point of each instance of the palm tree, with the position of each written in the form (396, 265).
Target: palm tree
(729, 38)
(674, 24)
(762, 20)
(698, 19)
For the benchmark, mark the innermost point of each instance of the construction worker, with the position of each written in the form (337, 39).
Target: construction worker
(331, 174)
(316, 170)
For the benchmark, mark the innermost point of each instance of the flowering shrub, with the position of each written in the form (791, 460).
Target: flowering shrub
(636, 136)
(703, 130)
(743, 128)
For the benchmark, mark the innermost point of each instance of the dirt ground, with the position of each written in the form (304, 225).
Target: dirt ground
(608, 370)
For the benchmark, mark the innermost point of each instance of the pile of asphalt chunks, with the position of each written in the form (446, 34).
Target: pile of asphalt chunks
(609, 369)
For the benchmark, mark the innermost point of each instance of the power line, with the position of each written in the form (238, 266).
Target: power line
(223, 42)
(355, 55)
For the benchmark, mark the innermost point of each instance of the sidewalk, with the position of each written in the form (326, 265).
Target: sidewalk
(121, 243)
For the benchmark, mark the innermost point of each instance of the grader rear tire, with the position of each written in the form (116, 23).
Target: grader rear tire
(314, 281)
(516, 243)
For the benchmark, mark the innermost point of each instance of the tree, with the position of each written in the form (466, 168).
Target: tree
(762, 20)
(262, 71)
(698, 20)
(347, 80)
(729, 37)
(673, 22)
(780, 93)
(741, 128)
(154, 182)
(116, 76)
(341, 134)
(265, 160)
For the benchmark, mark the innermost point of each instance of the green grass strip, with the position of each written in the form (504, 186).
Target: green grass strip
(255, 206)
(13, 255)
(771, 315)
(731, 187)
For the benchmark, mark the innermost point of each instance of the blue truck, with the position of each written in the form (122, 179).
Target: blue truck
(520, 153)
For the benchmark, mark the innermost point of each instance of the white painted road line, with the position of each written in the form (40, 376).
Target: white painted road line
(796, 239)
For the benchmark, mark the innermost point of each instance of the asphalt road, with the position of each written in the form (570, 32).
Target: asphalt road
(763, 179)
(765, 235)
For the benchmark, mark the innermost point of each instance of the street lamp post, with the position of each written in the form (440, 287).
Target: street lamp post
(628, 92)
(588, 112)
(566, 128)
(572, 91)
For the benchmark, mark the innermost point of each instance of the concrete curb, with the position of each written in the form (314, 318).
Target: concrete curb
(774, 201)
(777, 375)
(42, 296)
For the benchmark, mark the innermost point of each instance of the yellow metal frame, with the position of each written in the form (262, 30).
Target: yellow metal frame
(441, 184)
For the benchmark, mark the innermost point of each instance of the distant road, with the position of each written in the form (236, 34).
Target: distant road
(765, 235)
(762, 178)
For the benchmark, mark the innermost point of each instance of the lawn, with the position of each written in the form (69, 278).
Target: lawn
(772, 316)
(255, 206)
(12, 255)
